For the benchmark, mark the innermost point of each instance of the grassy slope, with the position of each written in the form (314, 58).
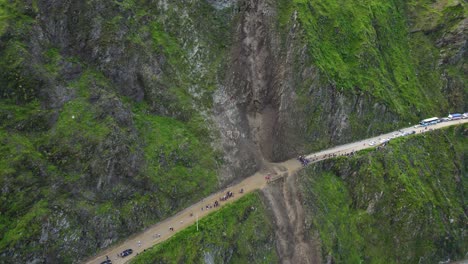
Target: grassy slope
(238, 233)
(366, 47)
(430, 21)
(52, 172)
(402, 204)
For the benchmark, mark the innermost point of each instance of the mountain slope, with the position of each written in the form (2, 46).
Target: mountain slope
(116, 114)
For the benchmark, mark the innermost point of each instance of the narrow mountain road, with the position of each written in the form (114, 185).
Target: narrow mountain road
(160, 231)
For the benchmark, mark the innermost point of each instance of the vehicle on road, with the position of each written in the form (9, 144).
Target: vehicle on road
(455, 116)
(126, 252)
(107, 261)
(372, 143)
(430, 121)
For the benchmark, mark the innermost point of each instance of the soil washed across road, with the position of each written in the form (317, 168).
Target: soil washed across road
(160, 231)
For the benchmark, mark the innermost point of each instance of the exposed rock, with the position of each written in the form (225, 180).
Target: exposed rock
(240, 103)
(221, 4)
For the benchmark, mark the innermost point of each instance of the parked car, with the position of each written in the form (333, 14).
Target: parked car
(126, 252)
(107, 261)
(372, 143)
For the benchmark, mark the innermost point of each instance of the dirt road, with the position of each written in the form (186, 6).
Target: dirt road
(160, 231)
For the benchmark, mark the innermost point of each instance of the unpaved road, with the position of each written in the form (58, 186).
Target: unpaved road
(189, 216)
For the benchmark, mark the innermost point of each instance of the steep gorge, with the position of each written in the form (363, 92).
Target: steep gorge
(119, 113)
(246, 107)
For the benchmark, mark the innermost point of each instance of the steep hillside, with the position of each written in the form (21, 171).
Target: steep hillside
(403, 203)
(116, 114)
(361, 67)
(102, 123)
(239, 233)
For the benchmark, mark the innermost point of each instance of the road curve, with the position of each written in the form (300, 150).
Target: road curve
(189, 216)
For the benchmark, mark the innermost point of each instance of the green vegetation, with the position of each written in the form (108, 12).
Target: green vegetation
(434, 37)
(238, 233)
(25, 175)
(104, 108)
(77, 156)
(194, 60)
(16, 80)
(429, 15)
(361, 68)
(401, 204)
(48, 166)
(179, 161)
(365, 47)
(3, 17)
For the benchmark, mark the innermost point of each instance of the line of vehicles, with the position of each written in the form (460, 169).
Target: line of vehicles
(394, 135)
(450, 117)
(424, 123)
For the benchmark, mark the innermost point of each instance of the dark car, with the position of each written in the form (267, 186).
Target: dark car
(126, 252)
(107, 261)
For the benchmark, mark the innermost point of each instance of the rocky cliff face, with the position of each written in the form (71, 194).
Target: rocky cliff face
(119, 113)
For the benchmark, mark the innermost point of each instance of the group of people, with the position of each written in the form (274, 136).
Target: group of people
(225, 197)
(342, 154)
(304, 161)
(228, 195)
(207, 207)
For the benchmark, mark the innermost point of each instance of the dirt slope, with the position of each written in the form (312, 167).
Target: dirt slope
(294, 245)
